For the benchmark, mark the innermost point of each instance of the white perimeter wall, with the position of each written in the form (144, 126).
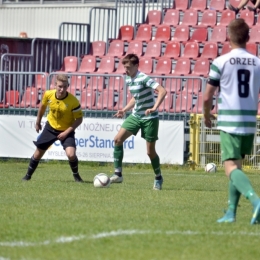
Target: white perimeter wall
(41, 21)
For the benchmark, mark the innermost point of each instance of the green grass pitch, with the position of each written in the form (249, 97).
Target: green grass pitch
(53, 218)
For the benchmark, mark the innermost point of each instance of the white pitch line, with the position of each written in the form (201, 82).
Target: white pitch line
(71, 239)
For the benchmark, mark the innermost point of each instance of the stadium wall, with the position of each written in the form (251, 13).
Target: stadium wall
(42, 21)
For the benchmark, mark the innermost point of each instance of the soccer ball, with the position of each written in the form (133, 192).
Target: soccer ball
(101, 180)
(211, 167)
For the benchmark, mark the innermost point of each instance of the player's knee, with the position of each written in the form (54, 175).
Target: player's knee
(118, 141)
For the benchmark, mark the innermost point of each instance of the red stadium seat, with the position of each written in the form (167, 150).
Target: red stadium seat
(181, 4)
(208, 19)
(218, 5)
(181, 34)
(173, 85)
(77, 82)
(171, 17)
(120, 68)
(199, 5)
(210, 50)
(198, 107)
(192, 86)
(107, 65)
(96, 83)
(146, 64)
(116, 48)
(154, 17)
(190, 18)
(225, 48)
(172, 50)
(116, 83)
(12, 98)
(41, 81)
(135, 47)
(191, 50)
(201, 67)
(126, 33)
(248, 16)
(30, 98)
(183, 103)
(120, 100)
(98, 48)
(105, 100)
(226, 17)
(219, 34)
(88, 64)
(254, 34)
(70, 64)
(163, 66)
(200, 34)
(87, 99)
(163, 33)
(144, 33)
(166, 105)
(182, 67)
(153, 49)
(252, 48)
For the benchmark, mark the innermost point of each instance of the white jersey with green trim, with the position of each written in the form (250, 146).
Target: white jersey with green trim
(238, 74)
(142, 89)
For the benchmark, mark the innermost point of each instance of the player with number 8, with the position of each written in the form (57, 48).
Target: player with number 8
(237, 76)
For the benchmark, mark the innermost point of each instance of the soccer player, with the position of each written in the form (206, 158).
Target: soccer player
(144, 116)
(64, 116)
(237, 74)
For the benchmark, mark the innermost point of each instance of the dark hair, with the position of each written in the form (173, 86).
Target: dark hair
(131, 58)
(238, 31)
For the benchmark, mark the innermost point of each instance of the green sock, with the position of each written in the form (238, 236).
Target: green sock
(156, 166)
(118, 156)
(233, 197)
(243, 185)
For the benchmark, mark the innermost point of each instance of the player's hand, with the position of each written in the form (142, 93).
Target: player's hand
(149, 111)
(119, 114)
(62, 136)
(207, 120)
(38, 127)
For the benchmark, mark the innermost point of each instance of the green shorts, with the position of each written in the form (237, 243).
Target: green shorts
(235, 147)
(149, 127)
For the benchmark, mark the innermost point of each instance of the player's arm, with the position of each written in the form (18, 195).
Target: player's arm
(208, 101)
(161, 95)
(129, 105)
(40, 114)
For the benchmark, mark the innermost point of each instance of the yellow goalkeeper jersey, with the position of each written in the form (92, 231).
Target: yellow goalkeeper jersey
(62, 112)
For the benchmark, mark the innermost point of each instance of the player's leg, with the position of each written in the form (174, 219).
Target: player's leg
(240, 6)
(34, 161)
(232, 149)
(119, 139)
(150, 130)
(46, 139)
(130, 126)
(256, 5)
(69, 146)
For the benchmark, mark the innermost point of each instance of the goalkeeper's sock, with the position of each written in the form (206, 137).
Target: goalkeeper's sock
(32, 166)
(243, 185)
(74, 165)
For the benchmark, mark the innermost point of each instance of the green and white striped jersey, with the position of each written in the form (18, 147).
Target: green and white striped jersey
(238, 75)
(142, 89)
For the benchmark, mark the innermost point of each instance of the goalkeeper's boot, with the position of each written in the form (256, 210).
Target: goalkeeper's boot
(229, 217)
(27, 177)
(77, 177)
